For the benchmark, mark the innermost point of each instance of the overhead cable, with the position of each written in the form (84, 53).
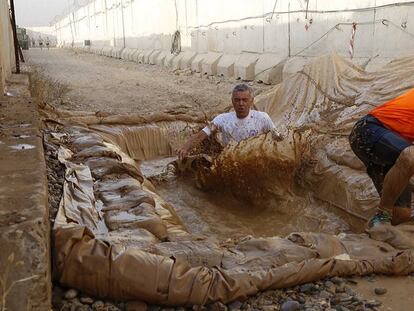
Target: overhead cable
(410, 3)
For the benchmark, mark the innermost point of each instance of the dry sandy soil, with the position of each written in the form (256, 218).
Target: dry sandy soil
(96, 83)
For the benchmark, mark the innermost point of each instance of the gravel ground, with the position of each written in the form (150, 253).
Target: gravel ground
(333, 294)
(55, 176)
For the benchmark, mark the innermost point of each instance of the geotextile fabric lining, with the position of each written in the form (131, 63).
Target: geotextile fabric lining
(95, 118)
(114, 237)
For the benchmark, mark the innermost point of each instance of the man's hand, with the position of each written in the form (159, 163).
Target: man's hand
(192, 142)
(276, 135)
(182, 153)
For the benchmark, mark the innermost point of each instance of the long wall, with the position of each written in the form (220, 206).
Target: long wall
(277, 29)
(7, 61)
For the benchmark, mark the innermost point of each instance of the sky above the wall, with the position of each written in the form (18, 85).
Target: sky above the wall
(39, 12)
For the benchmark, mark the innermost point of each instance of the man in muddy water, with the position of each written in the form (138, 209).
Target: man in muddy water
(241, 124)
(383, 140)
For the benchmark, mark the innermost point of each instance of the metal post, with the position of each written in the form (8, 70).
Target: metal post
(21, 54)
(132, 29)
(106, 20)
(16, 42)
(89, 23)
(289, 51)
(56, 32)
(123, 23)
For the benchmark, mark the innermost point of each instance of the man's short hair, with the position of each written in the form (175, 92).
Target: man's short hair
(242, 88)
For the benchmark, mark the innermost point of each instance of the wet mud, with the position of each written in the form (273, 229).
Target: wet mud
(221, 215)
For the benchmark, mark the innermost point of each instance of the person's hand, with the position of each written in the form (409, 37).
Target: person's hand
(276, 135)
(192, 142)
(182, 153)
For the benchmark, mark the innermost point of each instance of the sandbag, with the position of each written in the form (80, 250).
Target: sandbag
(327, 97)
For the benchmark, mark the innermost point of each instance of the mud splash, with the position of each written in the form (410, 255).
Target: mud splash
(257, 168)
(220, 214)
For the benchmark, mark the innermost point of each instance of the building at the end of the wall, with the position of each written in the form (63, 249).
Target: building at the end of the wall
(41, 34)
(7, 60)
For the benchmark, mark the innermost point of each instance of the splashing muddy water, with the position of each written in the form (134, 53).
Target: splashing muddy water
(221, 215)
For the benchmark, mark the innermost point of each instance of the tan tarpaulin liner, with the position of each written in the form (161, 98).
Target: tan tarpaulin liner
(327, 97)
(114, 237)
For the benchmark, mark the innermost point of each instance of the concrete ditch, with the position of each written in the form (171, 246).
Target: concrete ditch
(24, 215)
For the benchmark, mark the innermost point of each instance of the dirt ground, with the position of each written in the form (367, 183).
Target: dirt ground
(399, 296)
(96, 83)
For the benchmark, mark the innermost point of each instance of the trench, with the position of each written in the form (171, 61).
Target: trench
(262, 252)
(216, 216)
(257, 200)
(213, 212)
(254, 227)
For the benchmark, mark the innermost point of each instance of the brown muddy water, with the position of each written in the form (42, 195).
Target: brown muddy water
(222, 216)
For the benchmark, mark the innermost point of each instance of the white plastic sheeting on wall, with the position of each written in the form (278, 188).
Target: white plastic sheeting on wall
(255, 26)
(302, 28)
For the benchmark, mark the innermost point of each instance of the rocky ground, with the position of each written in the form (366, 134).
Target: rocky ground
(55, 176)
(335, 294)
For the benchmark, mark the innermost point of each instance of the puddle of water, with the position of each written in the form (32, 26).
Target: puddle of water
(24, 125)
(7, 126)
(11, 93)
(21, 136)
(221, 215)
(22, 147)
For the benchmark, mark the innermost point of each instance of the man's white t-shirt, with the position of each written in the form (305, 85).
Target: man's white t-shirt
(233, 128)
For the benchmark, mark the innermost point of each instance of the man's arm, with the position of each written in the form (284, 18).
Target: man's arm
(191, 143)
(269, 126)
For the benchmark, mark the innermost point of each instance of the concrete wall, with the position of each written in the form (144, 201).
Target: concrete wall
(302, 28)
(7, 61)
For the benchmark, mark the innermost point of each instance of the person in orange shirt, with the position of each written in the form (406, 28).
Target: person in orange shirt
(383, 141)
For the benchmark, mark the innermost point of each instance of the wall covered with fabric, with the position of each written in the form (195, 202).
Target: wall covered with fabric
(254, 26)
(252, 36)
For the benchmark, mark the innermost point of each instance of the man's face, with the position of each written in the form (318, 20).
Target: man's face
(242, 102)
